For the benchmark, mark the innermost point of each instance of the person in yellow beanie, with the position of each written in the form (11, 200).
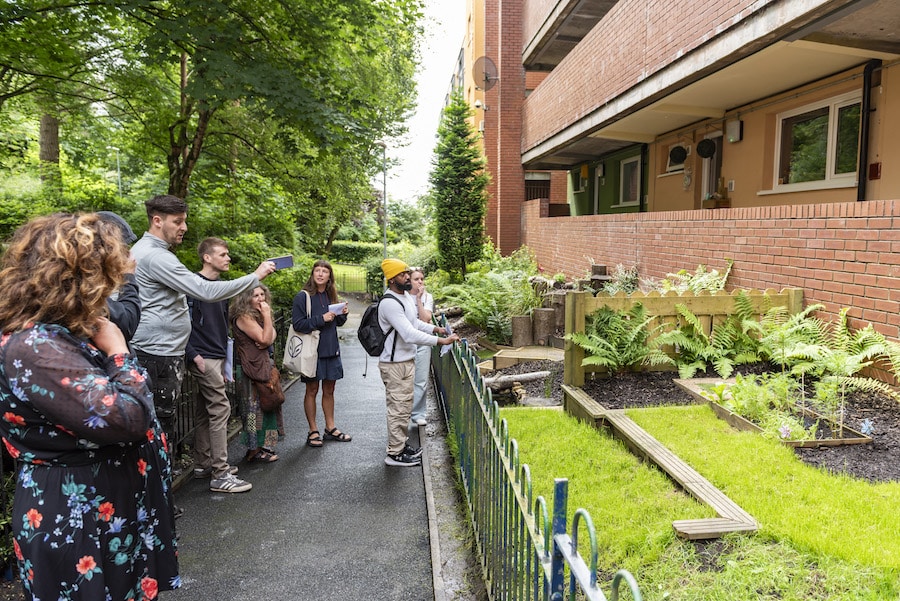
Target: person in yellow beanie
(392, 268)
(398, 317)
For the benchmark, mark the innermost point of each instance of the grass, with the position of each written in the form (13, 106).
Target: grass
(349, 278)
(822, 536)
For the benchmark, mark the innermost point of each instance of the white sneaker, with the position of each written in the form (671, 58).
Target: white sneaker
(229, 483)
(206, 472)
(421, 422)
(403, 460)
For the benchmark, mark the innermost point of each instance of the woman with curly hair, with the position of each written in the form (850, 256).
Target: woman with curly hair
(254, 334)
(92, 516)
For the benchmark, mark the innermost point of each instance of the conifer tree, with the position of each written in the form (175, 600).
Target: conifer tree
(458, 189)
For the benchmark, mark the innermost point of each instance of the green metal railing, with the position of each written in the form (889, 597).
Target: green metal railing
(523, 554)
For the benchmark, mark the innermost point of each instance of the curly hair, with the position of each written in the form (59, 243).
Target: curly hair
(60, 269)
(242, 304)
(330, 287)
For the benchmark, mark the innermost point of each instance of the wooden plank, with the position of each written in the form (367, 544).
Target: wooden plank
(709, 528)
(531, 353)
(581, 405)
(735, 518)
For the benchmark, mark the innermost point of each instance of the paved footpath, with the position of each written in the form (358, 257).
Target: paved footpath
(327, 523)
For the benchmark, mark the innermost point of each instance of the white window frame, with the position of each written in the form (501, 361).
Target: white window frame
(636, 160)
(677, 167)
(832, 179)
(709, 183)
(579, 184)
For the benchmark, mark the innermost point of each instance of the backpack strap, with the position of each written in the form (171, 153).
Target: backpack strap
(390, 329)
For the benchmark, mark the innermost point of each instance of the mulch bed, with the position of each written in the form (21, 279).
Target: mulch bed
(878, 461)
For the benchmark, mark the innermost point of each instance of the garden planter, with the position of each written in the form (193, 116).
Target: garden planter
(850, 436)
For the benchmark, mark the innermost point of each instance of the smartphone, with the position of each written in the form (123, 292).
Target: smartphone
(283, 262)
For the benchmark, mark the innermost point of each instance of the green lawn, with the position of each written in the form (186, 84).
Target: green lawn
(822, 536)
(349, 278)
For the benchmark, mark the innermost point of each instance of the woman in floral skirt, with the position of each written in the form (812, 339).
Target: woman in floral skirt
(92, 517)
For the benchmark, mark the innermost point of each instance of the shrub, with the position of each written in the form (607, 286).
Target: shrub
(349, 251)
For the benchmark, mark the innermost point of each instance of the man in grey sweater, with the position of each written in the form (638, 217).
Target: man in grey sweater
(164, 283)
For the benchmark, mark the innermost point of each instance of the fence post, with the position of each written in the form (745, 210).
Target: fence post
(557, 560)
(573, 371)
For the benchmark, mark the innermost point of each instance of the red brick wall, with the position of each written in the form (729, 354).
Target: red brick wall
(638, 38)
(840, 254)
(510, 176)
(491, 45)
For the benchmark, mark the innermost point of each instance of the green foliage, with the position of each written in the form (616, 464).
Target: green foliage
(624, 279)
(769, 401)
(348, 251)
(791, 341)
(617, 340)
(296, 96)
(700, 280)
(458, 194)
(731, 342)
(491, 296)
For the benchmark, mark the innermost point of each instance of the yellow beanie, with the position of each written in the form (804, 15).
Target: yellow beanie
(393, 267)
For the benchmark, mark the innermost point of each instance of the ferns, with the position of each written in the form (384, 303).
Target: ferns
(618, 341)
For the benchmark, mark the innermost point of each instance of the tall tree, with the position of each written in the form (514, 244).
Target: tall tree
(340, 72)
(458, 189)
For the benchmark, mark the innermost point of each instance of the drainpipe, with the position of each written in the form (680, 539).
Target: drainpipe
(645, 159)
(862, 176)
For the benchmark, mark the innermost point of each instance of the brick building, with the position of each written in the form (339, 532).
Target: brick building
(678, 133)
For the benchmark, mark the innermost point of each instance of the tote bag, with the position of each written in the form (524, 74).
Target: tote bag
(301, 350)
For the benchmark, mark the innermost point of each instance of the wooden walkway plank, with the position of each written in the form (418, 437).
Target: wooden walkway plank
(731, 517)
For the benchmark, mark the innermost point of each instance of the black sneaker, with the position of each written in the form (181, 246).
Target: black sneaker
(403, 459)
(412, 451)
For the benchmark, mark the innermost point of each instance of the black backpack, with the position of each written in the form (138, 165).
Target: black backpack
(370, 334)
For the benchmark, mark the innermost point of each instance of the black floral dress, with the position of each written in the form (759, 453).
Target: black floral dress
(92, 516)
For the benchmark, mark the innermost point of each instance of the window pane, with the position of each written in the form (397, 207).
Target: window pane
(804, 142)
(630, 181)
(847, 151)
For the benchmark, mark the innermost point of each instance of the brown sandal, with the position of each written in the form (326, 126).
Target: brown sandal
(261, 455)
(335, 434)
(314, 440)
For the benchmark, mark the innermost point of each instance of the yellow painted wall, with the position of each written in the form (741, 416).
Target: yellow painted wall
(750, 163)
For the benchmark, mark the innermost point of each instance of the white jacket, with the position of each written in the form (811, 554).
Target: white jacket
(408, 329)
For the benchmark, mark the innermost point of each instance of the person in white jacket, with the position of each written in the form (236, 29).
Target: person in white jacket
(397, 361)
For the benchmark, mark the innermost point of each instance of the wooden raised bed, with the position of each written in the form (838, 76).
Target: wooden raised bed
(694, 388)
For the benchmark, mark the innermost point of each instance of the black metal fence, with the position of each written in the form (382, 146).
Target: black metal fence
(237, 391)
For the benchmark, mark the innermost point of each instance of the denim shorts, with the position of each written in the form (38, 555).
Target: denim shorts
(327, 368)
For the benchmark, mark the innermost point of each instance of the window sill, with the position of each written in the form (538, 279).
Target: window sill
(669, 173)
(624, 206)
(809, 186)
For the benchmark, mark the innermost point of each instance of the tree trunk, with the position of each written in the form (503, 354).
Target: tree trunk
(544, 325)
(184, 150)
(49, 152)
(505, 382)
(521, 331)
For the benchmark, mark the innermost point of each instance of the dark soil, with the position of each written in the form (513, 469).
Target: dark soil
(878, 461)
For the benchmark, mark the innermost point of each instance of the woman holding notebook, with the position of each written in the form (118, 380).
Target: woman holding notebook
(317, 307)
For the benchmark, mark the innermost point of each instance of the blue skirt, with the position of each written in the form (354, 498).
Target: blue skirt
(327, 368)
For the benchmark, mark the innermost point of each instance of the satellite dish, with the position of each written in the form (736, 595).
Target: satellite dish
(484, 71)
